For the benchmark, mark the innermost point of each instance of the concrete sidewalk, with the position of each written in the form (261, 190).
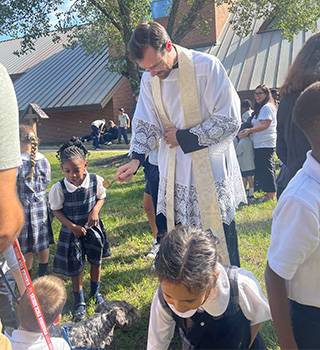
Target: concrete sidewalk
(47, 148)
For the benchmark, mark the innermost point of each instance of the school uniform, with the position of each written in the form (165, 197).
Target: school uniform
(222, 322)
(294, 252)
(24, 340)
(76, 203)
(36, 234)
(245, 156)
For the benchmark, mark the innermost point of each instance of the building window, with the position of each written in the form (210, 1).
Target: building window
(160, 8)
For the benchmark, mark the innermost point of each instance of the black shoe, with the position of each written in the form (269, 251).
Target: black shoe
(79, 315)
(106, 253)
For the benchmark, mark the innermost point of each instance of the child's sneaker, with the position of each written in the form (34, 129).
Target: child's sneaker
(79, 312)
(98, 298)
(250, 197)
(153, 251)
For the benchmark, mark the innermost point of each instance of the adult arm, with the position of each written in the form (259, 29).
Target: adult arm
(280, 309)
(264, 124)
(11, 213)
(125, 172)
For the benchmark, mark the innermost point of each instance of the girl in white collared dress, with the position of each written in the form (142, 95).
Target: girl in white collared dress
(214, 307)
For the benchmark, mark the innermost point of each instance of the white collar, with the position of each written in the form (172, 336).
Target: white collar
(85, 184)
(312, 167)
(217, 302)
(26, 156)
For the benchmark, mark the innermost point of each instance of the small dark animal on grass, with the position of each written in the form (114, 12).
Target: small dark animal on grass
(97, 331)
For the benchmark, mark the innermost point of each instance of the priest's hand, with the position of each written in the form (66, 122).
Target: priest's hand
(125, 172)
(170, 137)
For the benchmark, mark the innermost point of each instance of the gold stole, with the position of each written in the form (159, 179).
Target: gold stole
(205, 185)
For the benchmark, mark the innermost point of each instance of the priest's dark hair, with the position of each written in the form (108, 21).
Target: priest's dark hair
(147, 34)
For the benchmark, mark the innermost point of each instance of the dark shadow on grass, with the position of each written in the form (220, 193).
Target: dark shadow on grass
(121, 234)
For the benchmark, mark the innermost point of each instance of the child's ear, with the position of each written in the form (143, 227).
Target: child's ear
(217, 274)
(57, 319)
(86, 163)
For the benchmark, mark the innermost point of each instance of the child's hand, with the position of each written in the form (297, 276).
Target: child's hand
(78, 231)
(93, 218)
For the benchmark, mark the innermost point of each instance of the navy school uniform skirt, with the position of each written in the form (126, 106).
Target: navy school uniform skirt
(229, 331)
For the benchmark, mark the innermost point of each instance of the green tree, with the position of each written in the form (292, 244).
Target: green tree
(291, 16)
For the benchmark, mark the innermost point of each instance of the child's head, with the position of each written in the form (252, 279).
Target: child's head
(29, 144)
(51, 294)
(186, 266)
(121, 110)
(306, 114)
(72, 156)
(111, 124)
(245, 105)
(243, 126)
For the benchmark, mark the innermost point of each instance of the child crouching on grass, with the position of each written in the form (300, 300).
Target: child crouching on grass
(292, 273)
(76, 201)
(214, 307)
(52, 296)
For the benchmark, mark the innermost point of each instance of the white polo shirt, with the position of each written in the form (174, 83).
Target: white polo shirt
(294, 252)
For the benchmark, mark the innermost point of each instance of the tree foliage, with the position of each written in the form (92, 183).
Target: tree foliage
(291, 16)
(98, 24)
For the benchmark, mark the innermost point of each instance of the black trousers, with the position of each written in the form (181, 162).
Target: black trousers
(306, 325)
(265, 173)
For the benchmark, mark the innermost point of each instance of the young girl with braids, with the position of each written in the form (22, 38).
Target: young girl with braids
(214, 306)
(76, 201)
(33, 177)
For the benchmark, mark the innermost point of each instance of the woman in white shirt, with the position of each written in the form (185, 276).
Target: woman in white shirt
(264, 137)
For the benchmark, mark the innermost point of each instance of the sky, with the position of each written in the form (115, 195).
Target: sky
(53, 20)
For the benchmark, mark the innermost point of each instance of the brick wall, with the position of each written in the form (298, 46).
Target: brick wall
(123, 98)
(217, 16)
(60, 127)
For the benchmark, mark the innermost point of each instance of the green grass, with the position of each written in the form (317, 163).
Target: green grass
(126, 274)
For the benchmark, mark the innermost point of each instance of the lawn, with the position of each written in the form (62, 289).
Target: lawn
(126, 275)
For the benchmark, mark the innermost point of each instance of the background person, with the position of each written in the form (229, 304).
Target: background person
(245, 154)
(246, 110)
(33, 178)
(292, 145)
(264, 136)
(111, 133)
(124, 124)
(97, 128)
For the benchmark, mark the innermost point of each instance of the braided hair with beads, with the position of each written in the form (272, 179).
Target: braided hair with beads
(72, 149)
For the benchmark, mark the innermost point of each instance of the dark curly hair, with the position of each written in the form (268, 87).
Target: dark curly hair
(74, 148)
(188, 256)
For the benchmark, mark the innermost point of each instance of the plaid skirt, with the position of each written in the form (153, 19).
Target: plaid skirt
(36, 234)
